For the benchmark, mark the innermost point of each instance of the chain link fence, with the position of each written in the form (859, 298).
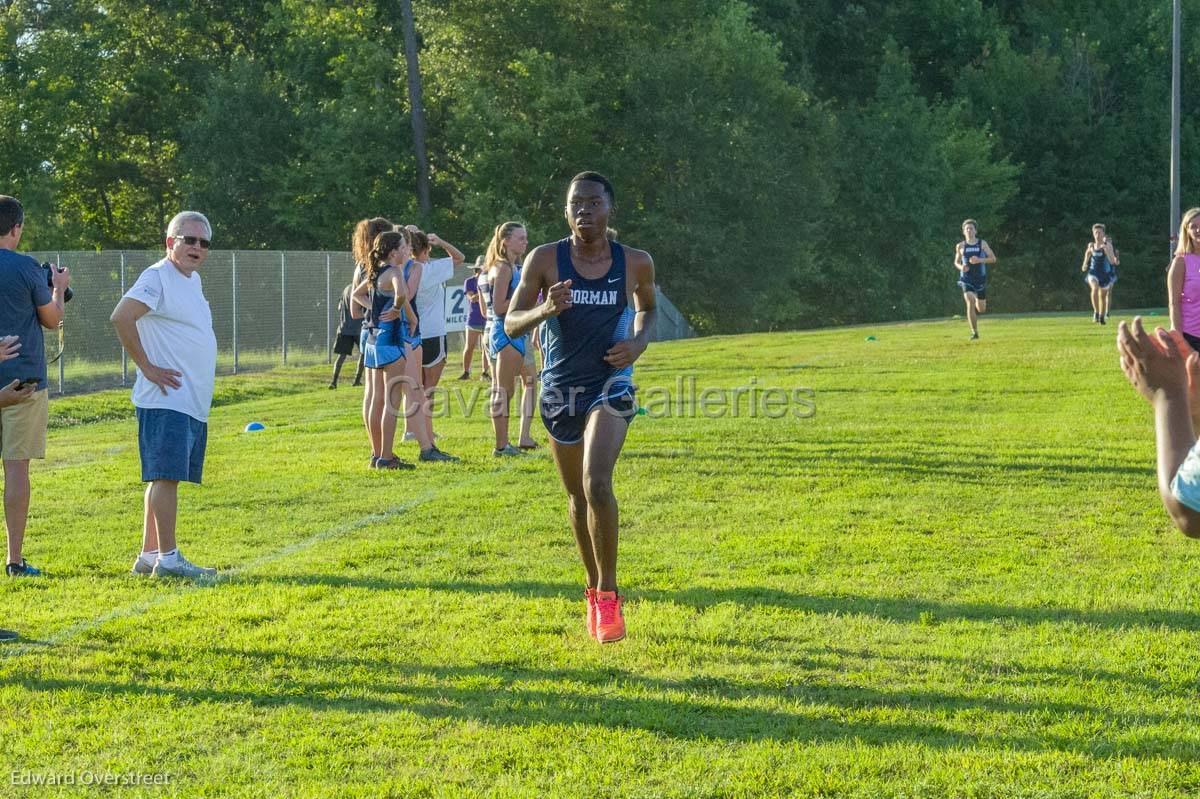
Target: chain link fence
(269, 308)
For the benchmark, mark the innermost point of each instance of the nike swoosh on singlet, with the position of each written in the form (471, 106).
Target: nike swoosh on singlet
(614, 280)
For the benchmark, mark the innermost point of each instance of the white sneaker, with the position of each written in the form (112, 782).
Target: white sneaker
(141, 567)
(182, 567)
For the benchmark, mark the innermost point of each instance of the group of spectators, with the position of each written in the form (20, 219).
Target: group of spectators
(165, 325)
(393, 310)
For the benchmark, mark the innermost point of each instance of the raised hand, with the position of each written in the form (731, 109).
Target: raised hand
(60, 277)
(558, 298)
(1155, 363)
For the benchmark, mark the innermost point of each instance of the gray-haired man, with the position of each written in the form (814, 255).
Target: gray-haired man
(165, 325)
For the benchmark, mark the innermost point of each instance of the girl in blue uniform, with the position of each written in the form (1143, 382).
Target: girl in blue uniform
(598, 311)
(503, 267)
(388, 324)
(476, 319)
(971, 259)
(1099, 261)
(361, 242)
(411, 386)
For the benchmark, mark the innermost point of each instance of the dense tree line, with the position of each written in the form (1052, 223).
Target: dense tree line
(789, 162)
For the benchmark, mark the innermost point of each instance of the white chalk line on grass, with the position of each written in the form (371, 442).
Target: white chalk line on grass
(188, 587)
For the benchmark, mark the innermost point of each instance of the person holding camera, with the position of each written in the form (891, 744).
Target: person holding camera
(12, 394)
(27, 304)
(15, 391)
(165, 325)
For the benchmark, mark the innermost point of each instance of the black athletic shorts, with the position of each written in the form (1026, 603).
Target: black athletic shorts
(433, 351)
(344, 345)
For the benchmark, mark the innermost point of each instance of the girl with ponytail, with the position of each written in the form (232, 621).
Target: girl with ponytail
(384, 297)
(510, 356)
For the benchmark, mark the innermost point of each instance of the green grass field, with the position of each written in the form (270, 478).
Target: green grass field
(955, 580)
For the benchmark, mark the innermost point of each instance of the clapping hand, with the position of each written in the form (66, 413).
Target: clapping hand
(1157, 363)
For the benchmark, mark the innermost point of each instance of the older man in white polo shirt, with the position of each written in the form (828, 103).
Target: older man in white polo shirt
(165, 325)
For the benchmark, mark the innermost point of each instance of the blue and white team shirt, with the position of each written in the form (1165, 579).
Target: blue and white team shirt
(575, 342)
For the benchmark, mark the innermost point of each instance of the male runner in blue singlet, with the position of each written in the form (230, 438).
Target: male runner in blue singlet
(971, 258)
(591, 337)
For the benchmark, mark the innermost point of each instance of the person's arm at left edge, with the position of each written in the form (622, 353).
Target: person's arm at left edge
(1159, 366)
(10, 346)
(645, 303)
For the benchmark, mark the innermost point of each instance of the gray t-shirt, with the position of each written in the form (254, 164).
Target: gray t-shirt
(23, 290)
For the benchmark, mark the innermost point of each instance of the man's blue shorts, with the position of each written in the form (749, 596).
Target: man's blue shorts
(566, 418)
(171, 445)
(979, 291)
(1103, 279)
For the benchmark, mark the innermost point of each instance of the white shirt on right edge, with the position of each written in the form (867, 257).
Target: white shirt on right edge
(176, 334)
(1185, 486)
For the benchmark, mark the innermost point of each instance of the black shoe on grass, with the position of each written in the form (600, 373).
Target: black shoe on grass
(22, 569)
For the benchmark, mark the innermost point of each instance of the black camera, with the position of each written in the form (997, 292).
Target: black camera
(50, 270)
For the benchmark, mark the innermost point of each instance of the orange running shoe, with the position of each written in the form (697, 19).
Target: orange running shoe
(610, 623)
(589, 594)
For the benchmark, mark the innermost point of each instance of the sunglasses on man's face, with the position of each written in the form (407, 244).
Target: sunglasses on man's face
(193, 241)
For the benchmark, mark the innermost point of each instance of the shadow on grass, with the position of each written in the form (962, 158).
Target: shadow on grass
(898, 609)
(805, 708)
(977, 465)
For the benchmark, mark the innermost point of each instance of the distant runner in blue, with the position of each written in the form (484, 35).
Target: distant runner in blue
(596, 318)
(1100, 260)
(971, 258)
